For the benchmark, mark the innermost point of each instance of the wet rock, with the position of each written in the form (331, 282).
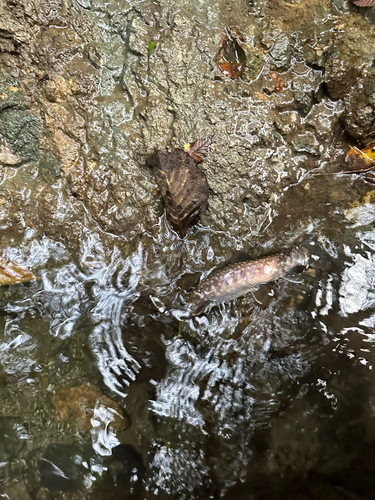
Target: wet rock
(340, 7)
(64, 467)
(21, 131)
(49, 168)
(349, 74)
(281, 51)
(7, 157)
(307, 143)
(254, 64)
(84, 405)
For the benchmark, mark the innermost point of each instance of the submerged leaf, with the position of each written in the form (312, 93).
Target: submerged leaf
(183, 186)
(231, 58)
(365, 3)
(199, 149)
(11, 273)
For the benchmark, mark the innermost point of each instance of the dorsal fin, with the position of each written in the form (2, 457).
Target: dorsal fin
(239, 256)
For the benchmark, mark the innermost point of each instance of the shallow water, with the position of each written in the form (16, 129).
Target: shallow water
(106, 391)
(236, 401)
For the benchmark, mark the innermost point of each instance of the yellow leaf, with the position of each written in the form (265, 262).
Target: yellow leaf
(11, 273)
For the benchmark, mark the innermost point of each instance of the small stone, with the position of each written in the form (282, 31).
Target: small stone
(307, 143)
(50, 168)
(7, 157)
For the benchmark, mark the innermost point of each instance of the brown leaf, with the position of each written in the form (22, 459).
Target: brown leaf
(199, 149)
(231, 58)
(365, 3)
(183, 186)
(11, 273)
(362, 161)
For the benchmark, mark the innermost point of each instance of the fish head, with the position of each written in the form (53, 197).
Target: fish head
(299, 257)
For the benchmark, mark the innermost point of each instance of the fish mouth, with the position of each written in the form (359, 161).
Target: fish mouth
(301, 256)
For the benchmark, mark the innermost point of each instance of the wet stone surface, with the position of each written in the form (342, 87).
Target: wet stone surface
(251, 400)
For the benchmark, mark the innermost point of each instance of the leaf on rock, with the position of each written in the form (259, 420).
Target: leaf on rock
(199, 149)
(231, 58)
(362, 161)
(365, 3)
(183, 187)
(11, 273)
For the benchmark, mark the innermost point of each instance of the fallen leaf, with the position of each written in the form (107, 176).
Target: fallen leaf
(183, 187)
(11, 273)
(365, 3)
(231, 58)
(199, 149)
(362, 161)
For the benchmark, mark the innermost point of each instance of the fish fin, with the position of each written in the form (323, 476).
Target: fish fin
(238, 257)
(293, 279)
(261, 295)
(201, 308)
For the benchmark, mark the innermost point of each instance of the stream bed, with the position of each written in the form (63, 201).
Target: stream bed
(106, 390)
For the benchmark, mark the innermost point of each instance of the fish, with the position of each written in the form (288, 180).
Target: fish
(233, 280)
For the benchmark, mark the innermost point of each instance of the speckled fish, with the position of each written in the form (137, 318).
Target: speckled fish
(234, 280)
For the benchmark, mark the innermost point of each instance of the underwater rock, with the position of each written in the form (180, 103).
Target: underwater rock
(16, 490)
(77, 405)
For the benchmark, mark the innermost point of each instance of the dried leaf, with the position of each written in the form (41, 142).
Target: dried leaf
(231, 58)
(199, 149)
(11, 273)
(362, 161)
(183, 187)
(358, 159)
(365, 3)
